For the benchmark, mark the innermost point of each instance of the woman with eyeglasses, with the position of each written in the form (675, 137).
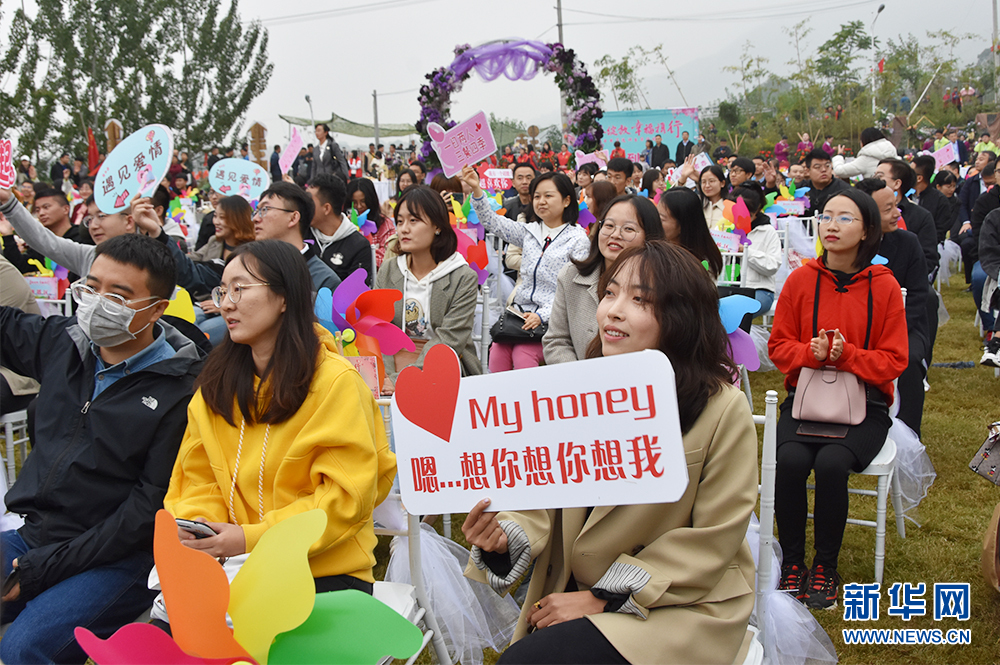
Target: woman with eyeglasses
(838, 311)
(549, 239)
(712, 188)
(630, 221)
(280, 424)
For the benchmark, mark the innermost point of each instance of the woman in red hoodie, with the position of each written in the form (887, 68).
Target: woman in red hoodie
(841, 311)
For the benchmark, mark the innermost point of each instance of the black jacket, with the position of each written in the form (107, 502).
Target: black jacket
(346, 255)
(905, 258)
(989, 245)
(683, 150)
(985, 204)
(98, 469)
(939, 207)
(659, 154)
(967, 195)
(920, 222)
(818, 197)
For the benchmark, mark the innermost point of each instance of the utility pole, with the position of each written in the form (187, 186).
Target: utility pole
(996, 56)
(563, 120)
(375, 113)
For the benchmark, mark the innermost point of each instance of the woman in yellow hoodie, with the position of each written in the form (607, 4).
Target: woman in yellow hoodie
(281, 424)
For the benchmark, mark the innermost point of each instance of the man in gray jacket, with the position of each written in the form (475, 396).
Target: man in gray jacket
(327, 156)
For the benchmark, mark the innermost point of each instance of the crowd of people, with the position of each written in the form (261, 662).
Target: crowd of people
(249, 413)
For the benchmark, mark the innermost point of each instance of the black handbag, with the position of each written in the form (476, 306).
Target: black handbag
(509, 329)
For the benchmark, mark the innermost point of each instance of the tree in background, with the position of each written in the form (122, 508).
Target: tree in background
(622, 79)
(177, 62)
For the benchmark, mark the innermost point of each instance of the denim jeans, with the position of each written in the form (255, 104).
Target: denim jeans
(213, 326)
(102, 600)
(978, 283)
(766, 299)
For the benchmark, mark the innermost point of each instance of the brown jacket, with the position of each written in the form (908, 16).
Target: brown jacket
(688, 566)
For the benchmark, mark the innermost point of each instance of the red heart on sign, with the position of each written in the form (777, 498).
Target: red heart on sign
(478, 126)
(428, 397)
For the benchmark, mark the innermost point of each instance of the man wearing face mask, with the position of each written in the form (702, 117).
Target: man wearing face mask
(115, 384)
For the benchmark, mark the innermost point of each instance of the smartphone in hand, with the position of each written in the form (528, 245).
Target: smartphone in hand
(199, 529)
(12, 579)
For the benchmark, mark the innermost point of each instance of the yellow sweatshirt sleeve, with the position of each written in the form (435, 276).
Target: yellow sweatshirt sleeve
(193, 477)
(341, 451)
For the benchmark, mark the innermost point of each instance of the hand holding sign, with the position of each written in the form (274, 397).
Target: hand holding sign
(7, 173)
(946, 155)
(464, 144)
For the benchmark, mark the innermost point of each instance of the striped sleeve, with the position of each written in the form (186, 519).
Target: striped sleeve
(625, 578)
(520, 557)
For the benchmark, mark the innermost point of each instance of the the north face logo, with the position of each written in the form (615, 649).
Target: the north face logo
(150, 402)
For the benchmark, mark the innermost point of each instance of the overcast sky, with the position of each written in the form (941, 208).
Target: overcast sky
(338, 52)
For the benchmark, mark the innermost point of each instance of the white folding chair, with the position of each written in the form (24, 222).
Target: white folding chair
(15, 433)
(731, 262)
(882, 467)
(61, 307)
(755, 655)
(408, 600)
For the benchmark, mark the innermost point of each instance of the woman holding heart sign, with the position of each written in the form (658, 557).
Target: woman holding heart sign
(655, 583)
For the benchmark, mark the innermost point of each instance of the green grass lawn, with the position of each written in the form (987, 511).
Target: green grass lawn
(947, 546)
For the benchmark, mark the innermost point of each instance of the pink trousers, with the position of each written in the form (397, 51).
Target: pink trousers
(505, 356)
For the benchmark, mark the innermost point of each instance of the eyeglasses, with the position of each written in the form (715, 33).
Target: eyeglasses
(90, 219)
(235, 292)
(627, 232)
(842, 220)
(111, 302)
(822, 165)
(263, 210)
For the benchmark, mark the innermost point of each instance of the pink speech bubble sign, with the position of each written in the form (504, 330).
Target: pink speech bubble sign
(291, 151)
(584, 158)
(7, 173)
(944, 156)
(466, 143)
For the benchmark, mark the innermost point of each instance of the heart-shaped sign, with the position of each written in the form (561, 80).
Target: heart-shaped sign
(427, 397)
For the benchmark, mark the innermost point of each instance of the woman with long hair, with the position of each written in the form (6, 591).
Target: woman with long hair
(630, 221)
(841, 311)
(281, 424)
(712, 188)
(683, 220)
(653, 583)
(652, 182)
(438, 286)
(361, 195)
(549, 238)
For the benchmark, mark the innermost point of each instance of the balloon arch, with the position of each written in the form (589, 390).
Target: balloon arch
(517, 60)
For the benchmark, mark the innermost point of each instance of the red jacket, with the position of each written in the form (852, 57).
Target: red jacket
(873, 293)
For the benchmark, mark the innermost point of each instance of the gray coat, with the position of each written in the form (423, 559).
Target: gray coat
(573, 323)
(323, 160)
(452, 314)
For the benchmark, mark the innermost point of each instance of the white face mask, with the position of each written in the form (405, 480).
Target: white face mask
(105, 328)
